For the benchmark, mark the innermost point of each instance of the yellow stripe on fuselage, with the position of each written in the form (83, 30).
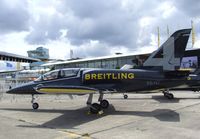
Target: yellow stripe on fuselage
(67, 91)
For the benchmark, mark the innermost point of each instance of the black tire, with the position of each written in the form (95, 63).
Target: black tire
(104, 104)
(169, 95)
(95, 108)
(35, 106)
(125, 96)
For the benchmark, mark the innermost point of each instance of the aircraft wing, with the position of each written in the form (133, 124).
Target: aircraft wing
(69, 90)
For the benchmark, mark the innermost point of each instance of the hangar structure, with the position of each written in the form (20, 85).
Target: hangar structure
(4, 56)
(107, 62)
(11, 62)
(191, 60)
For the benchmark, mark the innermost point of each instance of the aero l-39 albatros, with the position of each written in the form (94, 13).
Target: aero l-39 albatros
(164, 74)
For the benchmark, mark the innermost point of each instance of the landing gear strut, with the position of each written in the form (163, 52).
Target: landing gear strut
(96, 108)
(35, 105)
(168, 95)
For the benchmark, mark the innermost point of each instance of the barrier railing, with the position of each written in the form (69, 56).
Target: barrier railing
(5, 84)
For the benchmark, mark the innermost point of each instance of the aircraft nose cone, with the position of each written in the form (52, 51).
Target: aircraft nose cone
(9, 91)
(15, 91)
(24, 89)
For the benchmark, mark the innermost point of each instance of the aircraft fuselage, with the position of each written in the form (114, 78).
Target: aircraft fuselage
(102, 80)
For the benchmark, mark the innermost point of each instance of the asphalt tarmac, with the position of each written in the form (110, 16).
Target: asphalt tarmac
(141, 116)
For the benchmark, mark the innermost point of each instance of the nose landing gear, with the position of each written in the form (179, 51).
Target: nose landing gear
(35, 105)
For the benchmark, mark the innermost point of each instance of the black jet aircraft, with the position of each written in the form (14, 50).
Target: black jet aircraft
(163, 74)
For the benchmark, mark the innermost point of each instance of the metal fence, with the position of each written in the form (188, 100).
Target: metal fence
(5, 84)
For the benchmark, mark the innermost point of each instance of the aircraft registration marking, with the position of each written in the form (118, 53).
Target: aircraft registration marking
(108, 76)
(152, 83)
(62, 90)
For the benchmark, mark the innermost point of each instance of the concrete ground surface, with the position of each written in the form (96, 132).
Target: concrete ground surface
(141, 116)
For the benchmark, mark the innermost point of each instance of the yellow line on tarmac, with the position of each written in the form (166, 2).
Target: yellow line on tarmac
(72, 135)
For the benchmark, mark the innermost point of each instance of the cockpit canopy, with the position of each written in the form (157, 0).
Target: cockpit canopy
(51, 75)
(56, 74)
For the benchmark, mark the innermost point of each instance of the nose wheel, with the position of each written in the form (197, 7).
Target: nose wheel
(35, 105)
(125, 96)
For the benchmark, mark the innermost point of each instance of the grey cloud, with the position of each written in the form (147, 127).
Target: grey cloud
(105, 21)
(91, 8)
(47, 28)
(177, 20)
(14, 16)
(190, 7)
(115, 31)
(92, 50)
(110, 23)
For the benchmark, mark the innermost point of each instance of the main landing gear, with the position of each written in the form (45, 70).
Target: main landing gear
(97, 108)
(35, 105)
(167, 94)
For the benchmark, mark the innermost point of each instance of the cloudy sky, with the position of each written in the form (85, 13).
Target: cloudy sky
(92, 28)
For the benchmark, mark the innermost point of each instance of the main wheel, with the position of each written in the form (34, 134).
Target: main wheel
(169, 95)
(95, 108)
(104, 104)
(125, 96)
(35, 106)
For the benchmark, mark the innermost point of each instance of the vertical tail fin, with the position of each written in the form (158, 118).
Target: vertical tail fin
(168, 57)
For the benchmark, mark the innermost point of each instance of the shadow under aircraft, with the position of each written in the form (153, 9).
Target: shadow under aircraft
(70, 119)
(164, 74)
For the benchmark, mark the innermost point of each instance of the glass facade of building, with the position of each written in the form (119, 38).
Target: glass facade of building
(191, 57)
(107, 63)
(40, 53)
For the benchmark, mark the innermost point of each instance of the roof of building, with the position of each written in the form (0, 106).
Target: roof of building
(17, 56)
(93, 59)
(108, 57)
